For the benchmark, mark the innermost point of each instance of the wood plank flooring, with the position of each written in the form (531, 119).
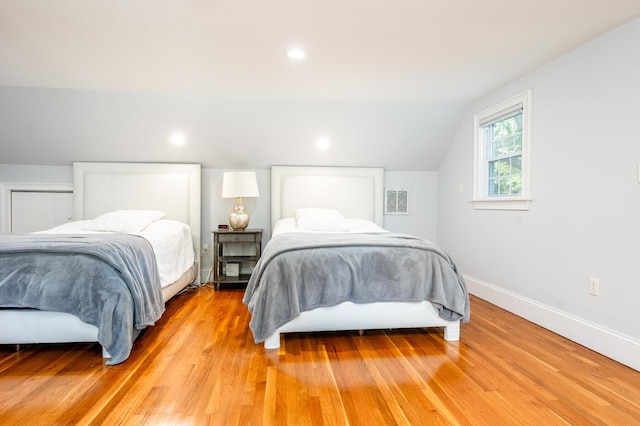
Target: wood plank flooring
(199, 366)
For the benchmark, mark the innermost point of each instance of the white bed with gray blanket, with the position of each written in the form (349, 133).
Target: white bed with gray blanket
(135, 246)
(331, 266)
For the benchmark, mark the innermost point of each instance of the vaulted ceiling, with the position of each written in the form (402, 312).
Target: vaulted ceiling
(419, 60)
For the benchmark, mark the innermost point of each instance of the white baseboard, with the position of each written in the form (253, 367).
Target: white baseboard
(609, 343)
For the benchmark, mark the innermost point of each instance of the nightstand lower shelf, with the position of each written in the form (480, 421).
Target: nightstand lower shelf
(241, 279)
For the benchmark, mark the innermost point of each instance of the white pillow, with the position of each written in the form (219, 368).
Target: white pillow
(312, 219)
(124, 220)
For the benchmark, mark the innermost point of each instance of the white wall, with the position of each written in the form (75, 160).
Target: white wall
(585, 216)
(35, 174)
(423, 198)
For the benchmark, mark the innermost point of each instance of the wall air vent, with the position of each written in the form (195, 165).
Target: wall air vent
(396, 201)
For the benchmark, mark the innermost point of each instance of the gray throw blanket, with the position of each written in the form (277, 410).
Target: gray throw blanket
(108, 280)
(300, 272)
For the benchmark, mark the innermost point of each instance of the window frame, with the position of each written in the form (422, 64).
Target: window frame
(481, 198)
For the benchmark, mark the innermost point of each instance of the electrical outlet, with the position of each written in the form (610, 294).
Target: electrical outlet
(594, 286)
(205, 248)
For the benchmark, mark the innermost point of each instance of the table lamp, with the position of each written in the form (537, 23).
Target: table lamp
(237, 185)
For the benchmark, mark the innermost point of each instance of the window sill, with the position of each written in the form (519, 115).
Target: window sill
(501, 203)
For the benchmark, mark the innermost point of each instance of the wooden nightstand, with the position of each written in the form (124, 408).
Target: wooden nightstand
(230, 264)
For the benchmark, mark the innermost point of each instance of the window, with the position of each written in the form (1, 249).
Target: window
(502, 159)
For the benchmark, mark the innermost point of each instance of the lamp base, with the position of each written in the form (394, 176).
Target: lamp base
(239, 218)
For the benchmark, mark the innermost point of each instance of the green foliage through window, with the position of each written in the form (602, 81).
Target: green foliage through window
(504, 156)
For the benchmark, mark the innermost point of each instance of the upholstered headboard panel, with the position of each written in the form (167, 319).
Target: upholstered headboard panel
(172, 188)
(357, 192)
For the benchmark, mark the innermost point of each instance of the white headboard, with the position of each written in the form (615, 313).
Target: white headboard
(172, 188)
(357, 192)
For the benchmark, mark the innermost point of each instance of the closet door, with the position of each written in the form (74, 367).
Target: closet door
(39, 210)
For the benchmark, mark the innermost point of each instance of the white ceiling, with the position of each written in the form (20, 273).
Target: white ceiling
(380, 50)
(431, 52)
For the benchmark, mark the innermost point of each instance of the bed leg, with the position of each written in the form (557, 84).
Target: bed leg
(105, 354)
(452, 332)
(273, 341)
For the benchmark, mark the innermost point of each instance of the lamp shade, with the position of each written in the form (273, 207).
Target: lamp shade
(239, 184)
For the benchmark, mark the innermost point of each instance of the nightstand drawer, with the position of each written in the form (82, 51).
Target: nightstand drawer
(237, 238)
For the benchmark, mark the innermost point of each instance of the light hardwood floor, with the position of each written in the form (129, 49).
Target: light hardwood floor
(199, 365)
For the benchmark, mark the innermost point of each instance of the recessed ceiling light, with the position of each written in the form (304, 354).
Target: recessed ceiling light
(296, 53)
(177, 139)
(323, 144)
